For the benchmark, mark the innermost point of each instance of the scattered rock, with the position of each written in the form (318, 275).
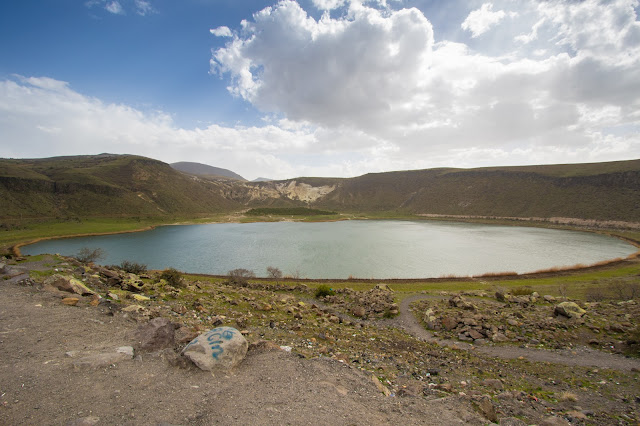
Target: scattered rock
(219, 348)
(460, 302)
(382, 388)
(155, 335)
(127, 350)
(493, 383)
(68, 284)
(554, 421)
(549, 299)
(100, 360)
(569, 310)
(70, 301)
(487, 409)
(511, 421)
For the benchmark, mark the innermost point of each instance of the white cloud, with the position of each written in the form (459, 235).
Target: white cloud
(328, 4)
(143, 7)
(370, 90)
(221, 32)
(114, 7)
(118, 7)
(377, 73)
(481, 20)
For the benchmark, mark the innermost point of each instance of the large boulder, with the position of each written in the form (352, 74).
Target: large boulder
(569, 310)
(219, 348)
(68, 284)
(157, 334)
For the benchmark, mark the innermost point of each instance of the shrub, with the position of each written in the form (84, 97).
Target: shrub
(522, 291)
(173, 277)
(324, 290)
(87, 255)
(133, 267)
(240, 276)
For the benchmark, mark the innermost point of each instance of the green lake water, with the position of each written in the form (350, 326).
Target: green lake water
(361, 249)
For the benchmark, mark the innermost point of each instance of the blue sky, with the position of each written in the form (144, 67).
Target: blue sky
(322, 87)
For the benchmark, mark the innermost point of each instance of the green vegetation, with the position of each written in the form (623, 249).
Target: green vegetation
(324, 290)
(133, 267)
(289, 211)
(173, 277)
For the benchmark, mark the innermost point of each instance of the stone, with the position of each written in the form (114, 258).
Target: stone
(569, 310)
(554, 421)
(100, 360)
(127, 350)
(493, 383)
(159, 333)
(382, 388)
(577, 415)
(499, 338)
(460, 302)
(487, 409)
(449, 323)
(85, 421)
(475, 335)
(140, 298)
(68, 284)
(219, 348)
(511, 421)
(184, 335)
(549, 299)
(133, 308)
(70, 301)
(383, 287)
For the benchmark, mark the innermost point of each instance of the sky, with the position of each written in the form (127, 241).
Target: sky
(283, 89)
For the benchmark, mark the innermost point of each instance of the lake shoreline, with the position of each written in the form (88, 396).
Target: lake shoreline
(524, 222)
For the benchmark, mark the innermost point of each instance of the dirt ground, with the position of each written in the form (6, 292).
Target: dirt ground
(59, 364)
(39, 383)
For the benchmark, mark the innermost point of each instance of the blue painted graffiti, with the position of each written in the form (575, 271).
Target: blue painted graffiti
(216, 337)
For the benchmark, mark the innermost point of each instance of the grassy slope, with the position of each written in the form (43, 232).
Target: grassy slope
(90, 186)
(606, 191)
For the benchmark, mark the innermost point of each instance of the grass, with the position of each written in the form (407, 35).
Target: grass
(289, 211)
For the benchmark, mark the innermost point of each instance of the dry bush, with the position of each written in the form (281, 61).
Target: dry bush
(87, 255)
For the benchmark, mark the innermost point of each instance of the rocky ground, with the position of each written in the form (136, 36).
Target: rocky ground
(73, 350)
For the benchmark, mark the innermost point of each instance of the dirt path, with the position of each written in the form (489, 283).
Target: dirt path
(579, 356)
(41, 381)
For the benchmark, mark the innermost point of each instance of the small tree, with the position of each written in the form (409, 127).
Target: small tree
(240, 276)
(274, 273)
(88, 255)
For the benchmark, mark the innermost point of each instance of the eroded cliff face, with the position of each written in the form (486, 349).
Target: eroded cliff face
(250, 192)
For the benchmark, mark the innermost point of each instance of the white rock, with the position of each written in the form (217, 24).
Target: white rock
(219, 348)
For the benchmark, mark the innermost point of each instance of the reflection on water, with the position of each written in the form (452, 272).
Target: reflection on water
(362, 249)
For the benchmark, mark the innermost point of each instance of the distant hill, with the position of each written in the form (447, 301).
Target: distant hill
(204, 170)
(127, 185)
(605, 191)
(103, 185)
(262, 179)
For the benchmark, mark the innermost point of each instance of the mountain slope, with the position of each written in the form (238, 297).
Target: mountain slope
(607, 191)
(204, 170)
(103, 185)
(127, 185)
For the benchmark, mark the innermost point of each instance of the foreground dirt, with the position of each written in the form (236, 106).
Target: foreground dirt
(59, 365)
(39, 383)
